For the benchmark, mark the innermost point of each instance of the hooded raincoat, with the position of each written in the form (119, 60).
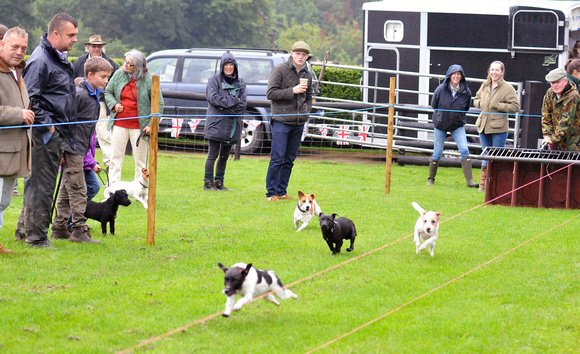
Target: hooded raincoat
(226, 97)
(450, 110)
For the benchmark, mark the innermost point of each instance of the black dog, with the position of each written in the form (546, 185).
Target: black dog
(335, 230)
(107, 210)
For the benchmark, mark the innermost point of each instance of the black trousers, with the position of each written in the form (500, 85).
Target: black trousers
(35, 217)
(217, 151)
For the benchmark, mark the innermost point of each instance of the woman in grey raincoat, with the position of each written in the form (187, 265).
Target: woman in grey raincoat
(226, 95)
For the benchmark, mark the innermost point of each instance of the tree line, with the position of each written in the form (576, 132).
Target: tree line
(151, 25)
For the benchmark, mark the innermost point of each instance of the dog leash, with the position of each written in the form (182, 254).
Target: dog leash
(142, 135)
(56, 194)
(103, 184)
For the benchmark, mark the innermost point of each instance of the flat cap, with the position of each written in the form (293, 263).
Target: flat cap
(300, 46)
(556, 75)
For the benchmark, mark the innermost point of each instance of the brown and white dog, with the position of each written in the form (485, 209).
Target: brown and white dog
(305, 210)
(426, 228)
(137, 189)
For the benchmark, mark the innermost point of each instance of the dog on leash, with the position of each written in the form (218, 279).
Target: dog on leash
(426, 228)
(335, 230)
(106, 212)
(137, 189)
(305, 210)
(251, 282)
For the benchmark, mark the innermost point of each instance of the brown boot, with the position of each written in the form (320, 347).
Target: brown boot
(81, 235)
(59, 234)
(483, 178)
(4, 250)
(219, 185)
(208, 185)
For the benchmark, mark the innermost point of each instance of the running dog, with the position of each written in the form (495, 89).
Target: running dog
(305, 210)
(335, 230)
(137, 189)
(251, 282)
(426, 228)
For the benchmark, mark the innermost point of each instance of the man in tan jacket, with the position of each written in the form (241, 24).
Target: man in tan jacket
(15, 117)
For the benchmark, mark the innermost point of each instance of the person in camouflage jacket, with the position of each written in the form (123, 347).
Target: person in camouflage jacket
(560, 113)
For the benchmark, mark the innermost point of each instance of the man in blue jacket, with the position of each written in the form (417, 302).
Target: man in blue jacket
(50, 81)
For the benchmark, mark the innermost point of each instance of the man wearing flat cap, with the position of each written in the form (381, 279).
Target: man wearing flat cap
(95, 47)
(560, 113)
(290, 95)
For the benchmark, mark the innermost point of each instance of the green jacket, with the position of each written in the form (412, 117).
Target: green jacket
(113, 96)
(561, 118)
(503, 99)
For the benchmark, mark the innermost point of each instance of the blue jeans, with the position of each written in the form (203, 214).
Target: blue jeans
(93, 185)
(285, 144)
(459, 137)
(492, 140)
(6, 192)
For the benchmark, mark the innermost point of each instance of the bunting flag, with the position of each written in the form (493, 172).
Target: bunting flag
(343, 134)
(193, 124)
(303, 133)
(176, 124)
(363, 132)
(323, 129)
(253, 124)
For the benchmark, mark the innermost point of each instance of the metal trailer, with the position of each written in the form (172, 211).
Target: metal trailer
(424, 36)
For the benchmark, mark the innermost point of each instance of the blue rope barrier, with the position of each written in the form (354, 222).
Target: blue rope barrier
(164, 116)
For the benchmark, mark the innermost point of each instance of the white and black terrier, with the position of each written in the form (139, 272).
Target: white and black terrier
(251, 282)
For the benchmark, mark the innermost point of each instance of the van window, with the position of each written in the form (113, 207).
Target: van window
(198, 70)
(164, 67)
(254, 71)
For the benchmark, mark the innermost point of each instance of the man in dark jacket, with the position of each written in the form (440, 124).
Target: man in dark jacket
(50, 81)
(290, 93)
(95, 47)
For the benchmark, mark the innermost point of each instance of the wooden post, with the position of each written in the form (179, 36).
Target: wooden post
(390, 135)
(153, 161)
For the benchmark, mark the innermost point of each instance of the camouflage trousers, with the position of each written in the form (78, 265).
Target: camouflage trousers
(72, 196)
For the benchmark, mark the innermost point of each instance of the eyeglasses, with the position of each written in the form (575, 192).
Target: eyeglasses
(126, 63)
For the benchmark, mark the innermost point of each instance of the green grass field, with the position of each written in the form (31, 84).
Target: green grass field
(111, 297)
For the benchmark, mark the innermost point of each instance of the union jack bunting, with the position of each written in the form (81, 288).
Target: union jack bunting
(253, 124)
(323, 129)
(176, 124)
(363, 132)
(303, 133)
(343, 134)
(193, 124)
